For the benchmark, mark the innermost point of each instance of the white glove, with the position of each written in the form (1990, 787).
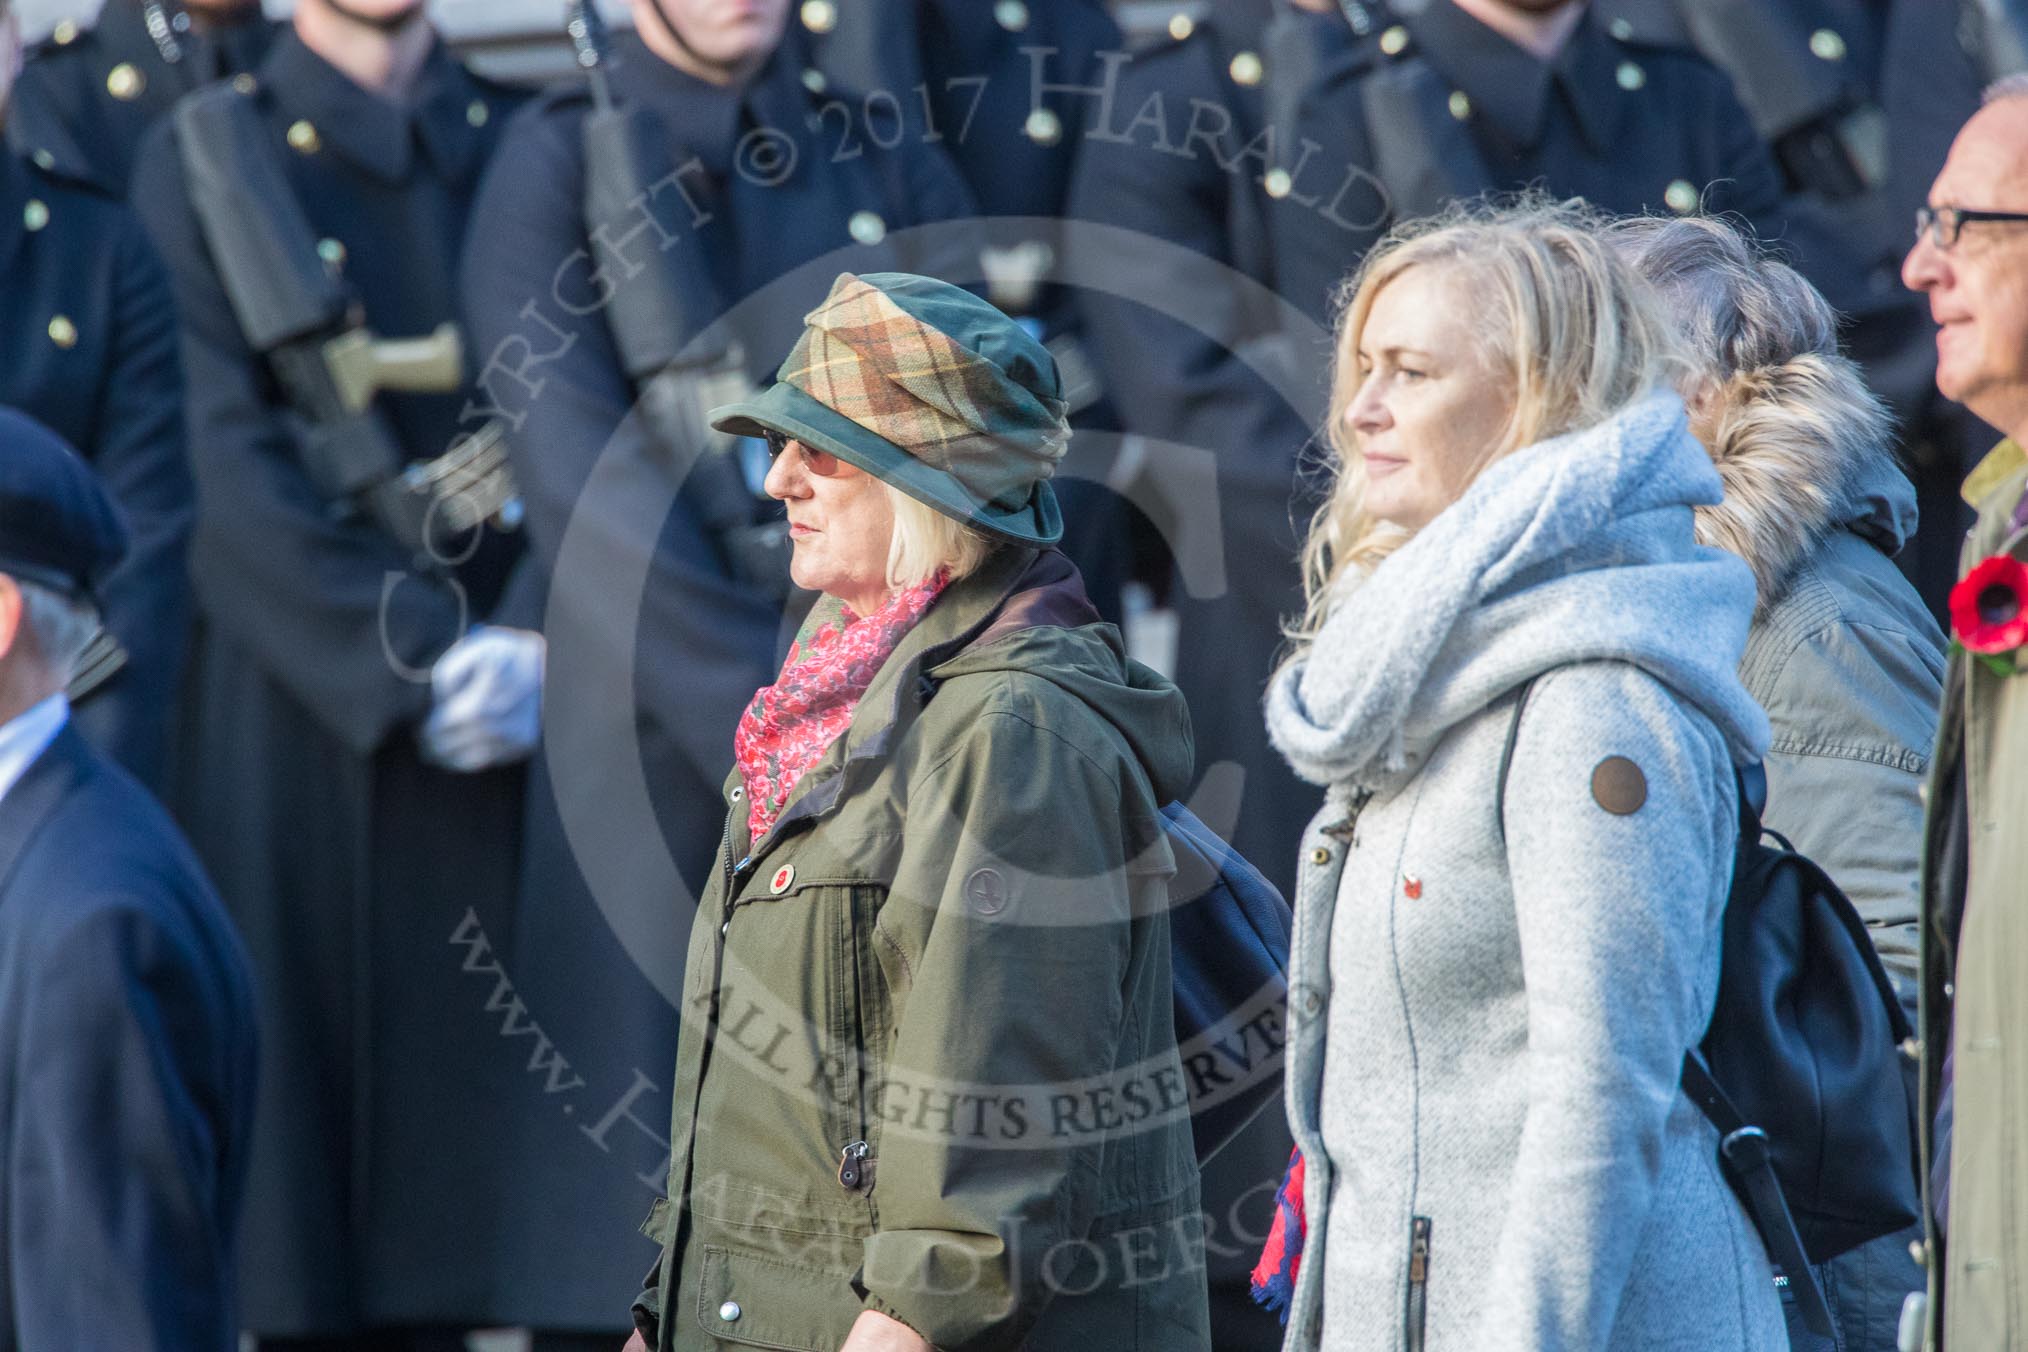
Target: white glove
(488, 691)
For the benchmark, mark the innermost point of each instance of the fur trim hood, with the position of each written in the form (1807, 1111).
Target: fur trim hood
(1803, 449)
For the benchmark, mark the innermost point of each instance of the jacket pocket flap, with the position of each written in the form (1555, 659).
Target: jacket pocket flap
(765, 1302)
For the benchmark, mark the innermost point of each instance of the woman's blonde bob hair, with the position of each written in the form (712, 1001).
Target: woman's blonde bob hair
(1578, 333)
(925, 540)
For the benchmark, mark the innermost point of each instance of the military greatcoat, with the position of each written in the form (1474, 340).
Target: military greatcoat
(89, 331)
(101, 87)
(365, 881)
(698, 640)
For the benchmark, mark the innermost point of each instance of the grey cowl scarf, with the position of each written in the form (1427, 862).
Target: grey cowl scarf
(1578, 548)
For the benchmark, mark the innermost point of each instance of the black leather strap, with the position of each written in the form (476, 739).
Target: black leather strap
(1507, 757)
(1746, 1153)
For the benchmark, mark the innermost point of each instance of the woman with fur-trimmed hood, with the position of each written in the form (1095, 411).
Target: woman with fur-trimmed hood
(1842, 654)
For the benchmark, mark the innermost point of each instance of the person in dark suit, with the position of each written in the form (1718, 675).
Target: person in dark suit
(89, 94)
(89, 330)
(364, 697)
(606, 478)
(127, 1063)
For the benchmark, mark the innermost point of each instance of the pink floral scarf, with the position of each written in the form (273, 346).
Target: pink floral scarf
(792, 723)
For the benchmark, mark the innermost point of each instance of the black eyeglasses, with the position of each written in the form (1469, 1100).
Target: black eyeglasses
(1944, 224)
(777, 441)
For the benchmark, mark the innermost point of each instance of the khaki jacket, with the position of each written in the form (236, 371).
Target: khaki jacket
(927, 1063)
(1974, 999)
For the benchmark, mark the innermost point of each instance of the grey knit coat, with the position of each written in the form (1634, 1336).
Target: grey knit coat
(1488, 1033)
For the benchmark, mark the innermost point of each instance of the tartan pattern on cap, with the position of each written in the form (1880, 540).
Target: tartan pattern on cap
(913, 385)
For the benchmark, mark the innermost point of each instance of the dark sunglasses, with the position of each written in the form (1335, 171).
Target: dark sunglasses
(821, 463)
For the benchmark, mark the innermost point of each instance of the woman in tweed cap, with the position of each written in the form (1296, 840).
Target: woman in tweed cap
(927, 1087)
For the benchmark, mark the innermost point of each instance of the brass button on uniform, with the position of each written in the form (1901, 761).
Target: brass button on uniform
(867, 227)
(1278, 183)
(125, 82)
(62, 332)
(1460, 104)
(1826, 45)
(477, 113)
(303, 138)
(35, 215)
(1394, 41)
(332, 251)
(814, 81)
(1630, 76)
(819, 16)
(1011, 15)
(1043, 127)
(1181, 26)
(1618, 786)
(1621, 29)
(1246, 69)
(44, 160)
(1681, 196)
(244, 83)
(64, 33)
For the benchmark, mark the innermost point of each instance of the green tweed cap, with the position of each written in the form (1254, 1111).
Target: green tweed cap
(930, 389)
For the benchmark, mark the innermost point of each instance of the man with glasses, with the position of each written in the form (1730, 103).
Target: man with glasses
(1971, 259)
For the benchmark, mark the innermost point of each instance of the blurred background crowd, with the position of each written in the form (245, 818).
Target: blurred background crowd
(391, 335)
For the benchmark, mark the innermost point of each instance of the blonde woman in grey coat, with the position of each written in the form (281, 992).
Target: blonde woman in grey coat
(1491, 1001)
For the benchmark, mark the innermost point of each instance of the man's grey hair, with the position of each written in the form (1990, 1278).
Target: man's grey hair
(2006, 87)
(64, 626)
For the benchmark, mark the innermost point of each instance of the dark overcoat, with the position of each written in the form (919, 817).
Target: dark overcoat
(611, 884)
(101, 87)
(126, 1074)
(364, 880)
(89, 331)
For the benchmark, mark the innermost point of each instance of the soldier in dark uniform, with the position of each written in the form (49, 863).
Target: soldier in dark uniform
(1859, 100)
(1455, 98)
(89, 331)
(754, 200)
(361, 695)
(100, 88)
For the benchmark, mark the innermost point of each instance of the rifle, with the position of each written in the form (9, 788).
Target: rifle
(295, 311)
(682, 364)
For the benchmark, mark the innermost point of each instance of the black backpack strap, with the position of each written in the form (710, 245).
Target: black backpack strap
(1507, 758)
(1747, 1155)
(1742, 1147)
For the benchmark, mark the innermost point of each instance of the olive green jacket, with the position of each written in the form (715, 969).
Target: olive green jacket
(1974, 999)
(952, 948)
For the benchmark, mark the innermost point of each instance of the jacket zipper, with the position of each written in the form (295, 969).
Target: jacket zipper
(1418, 1281)
(1346, 829)
(852, 1165)
(732, 872)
